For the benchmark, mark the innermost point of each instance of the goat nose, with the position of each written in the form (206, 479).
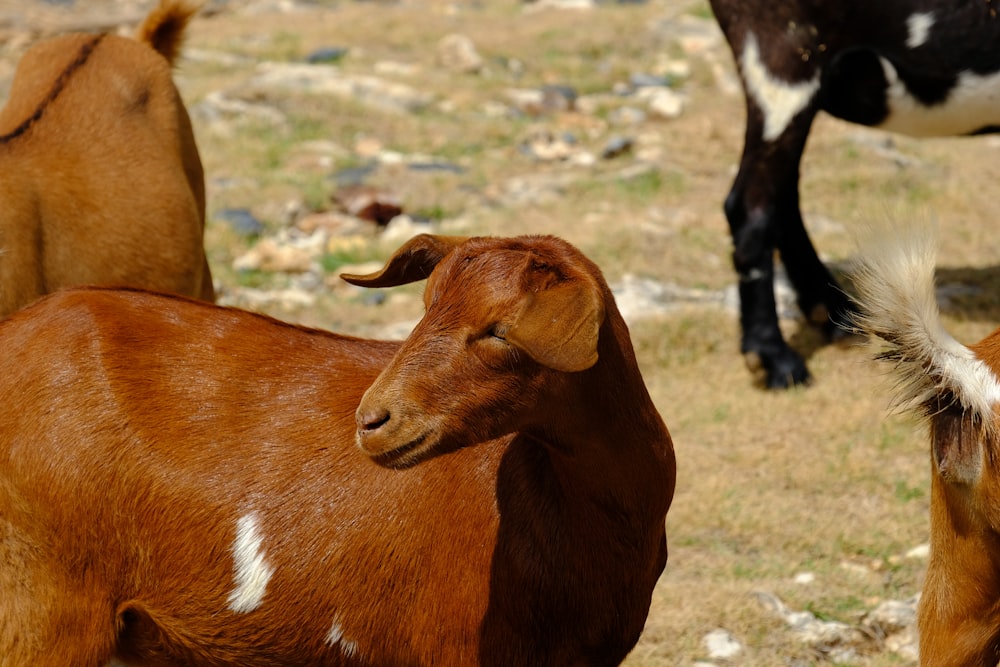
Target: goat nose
(371, 419)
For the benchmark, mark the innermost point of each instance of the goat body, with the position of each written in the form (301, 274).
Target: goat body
(187, 484)
(102, 179)
(957, 388)
(921, 68)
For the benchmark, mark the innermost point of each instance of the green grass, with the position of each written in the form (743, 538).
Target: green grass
(335, 260)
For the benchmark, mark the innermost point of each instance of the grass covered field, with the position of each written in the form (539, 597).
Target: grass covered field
(815, 495)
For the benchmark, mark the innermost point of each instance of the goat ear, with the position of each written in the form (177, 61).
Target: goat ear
(558, 327)
(412, 262)
(957, 443)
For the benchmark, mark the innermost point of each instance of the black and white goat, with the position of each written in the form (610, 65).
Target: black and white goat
(917, 67)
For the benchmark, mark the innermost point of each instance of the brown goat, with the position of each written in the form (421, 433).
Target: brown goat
(102, 182)
(180, 483)
(957, 388)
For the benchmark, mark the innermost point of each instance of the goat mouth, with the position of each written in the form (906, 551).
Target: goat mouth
(402, 456)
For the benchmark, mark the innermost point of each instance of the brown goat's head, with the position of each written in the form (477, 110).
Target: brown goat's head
(505, 321)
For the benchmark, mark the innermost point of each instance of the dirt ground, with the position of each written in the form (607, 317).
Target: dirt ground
(816, 495)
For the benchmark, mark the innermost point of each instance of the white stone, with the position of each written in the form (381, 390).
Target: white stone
(720, 644)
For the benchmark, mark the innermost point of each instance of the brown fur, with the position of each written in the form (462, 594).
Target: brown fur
(957, 388)
(524, 525)
(102, 179)
(960, 604)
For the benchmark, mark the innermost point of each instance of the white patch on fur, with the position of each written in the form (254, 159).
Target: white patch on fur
(972, 104)
(251, 571)
(780, 101)
(896, 292)
(336, 637)
(919, 28)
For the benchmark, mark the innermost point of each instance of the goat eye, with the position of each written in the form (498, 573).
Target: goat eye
(494, 350)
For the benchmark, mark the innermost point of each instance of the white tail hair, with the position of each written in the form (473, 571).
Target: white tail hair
(896, 292)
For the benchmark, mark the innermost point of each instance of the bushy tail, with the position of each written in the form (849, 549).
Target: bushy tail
(896, 294)
(163, 28)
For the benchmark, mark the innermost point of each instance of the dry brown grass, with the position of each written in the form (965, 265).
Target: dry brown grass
(769, 484)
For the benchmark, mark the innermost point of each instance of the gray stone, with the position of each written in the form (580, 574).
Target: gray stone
(241, 221)
(458, 53)
(329, 54)
(616, 147)
(279, 79)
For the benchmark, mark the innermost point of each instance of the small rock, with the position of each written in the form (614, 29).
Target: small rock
(627, 115)
(538, 101)
(458, 53)
(368, 147)
(859, 569)
(286, 299)
(222, 113)
(403, 228)
(319, 152)
(274, 80)
(615, 147)
(842, 655)
(269, 255)
(675, 68)
(331, 222)
(396, 68)
(241, 221)
(307, 282)
(721, 645)
(526, 100)
(824, 636)
(513, 66)
(539, 5)
(436, 165)
(892, 616)
(368, 203)
(662, 102)
(622, 89)
(354, 175)
(531, 189)
(548, 147)
(905, 644)
(327, 55)
(558, 98)
(373, 298)
(641, 80)
(639, 298)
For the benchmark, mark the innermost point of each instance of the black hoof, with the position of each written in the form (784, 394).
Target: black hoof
(778, 369)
